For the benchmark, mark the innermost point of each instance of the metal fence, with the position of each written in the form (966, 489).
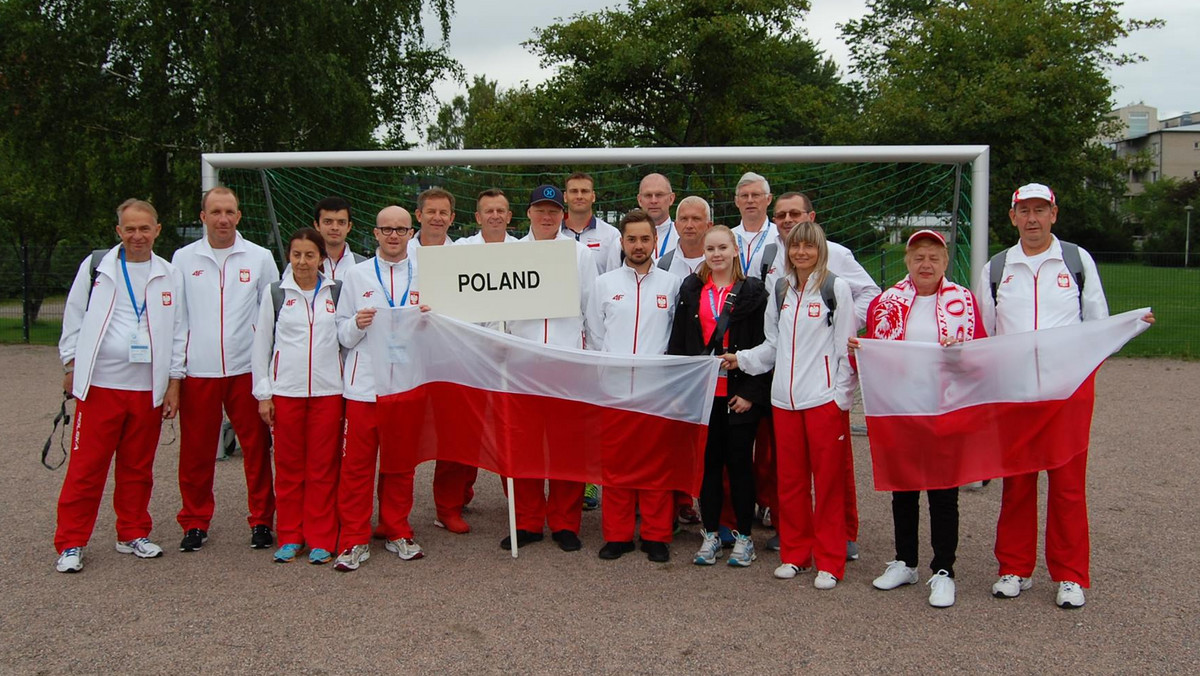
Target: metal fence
(32, 313)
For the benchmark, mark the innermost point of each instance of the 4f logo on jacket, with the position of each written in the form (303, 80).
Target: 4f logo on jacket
(368, 294)
(244, 274)
(197, 273)
(619, 296)
(290, 302)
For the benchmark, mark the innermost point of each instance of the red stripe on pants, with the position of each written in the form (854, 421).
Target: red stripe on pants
(561, 507)
(619, 511)
(111, 422)
(307, 430)
(1068, 548)
(200, 405)
(356, 485)
(811, 457)
(453, 486)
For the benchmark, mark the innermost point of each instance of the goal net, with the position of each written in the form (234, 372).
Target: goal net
(869, 206)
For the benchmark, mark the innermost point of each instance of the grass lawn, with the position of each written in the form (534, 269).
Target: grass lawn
(1174, 293)
(42, 332)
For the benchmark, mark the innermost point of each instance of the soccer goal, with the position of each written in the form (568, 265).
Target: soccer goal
(868, 198)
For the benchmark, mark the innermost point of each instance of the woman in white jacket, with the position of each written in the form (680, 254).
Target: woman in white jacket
(298, 383)
(811, 393)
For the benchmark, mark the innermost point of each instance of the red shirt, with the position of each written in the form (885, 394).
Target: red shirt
(712, 299)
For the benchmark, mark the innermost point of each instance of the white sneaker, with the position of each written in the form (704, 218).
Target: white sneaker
(743, 551)
(1070, 595)
(405, 548)
(141, 548)
(70, 561)
(898, 573)
(1011, 586)
(825, 580)
(787, 571)
(973, 486)
(710, 549)
(941, 590)
(351, 558)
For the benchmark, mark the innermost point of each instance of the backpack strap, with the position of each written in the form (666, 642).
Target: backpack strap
(781, 287)
(335, 290)
(767, 260)
(996, 268)
(664, 263)
(355, 258)
(94, 264)
(277, 299)
(828, 297)
(1074, 263)
(718, 335)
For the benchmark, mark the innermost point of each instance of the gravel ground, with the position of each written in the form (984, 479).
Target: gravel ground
(468, 607)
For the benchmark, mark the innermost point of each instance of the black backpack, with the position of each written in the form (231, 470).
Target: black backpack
(1071, 259)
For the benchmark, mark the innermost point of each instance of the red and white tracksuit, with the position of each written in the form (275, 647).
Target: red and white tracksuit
(811, 390)
(1040, 293)
(222, 305)
(123, 421)
(364, 289)
(296, 363)
(863, 289)
(630, 313)
(561, 508)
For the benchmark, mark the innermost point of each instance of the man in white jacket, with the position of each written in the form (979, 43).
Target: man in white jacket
(581, 222)
(655, 197)
(331, 218)
(124, 330)
(631, 311)
(224, 278)
(1038, 289)
(756, 232)
(388, 280)
(562, 507)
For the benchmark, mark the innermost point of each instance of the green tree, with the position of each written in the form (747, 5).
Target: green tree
(1026, 77)
(104, 99)
(1158, 213)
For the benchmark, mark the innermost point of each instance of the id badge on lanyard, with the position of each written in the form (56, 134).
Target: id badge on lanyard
(139, 342)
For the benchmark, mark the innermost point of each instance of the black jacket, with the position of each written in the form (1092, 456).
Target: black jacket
(745, 331)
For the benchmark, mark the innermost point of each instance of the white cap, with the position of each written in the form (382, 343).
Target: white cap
(1032, 191)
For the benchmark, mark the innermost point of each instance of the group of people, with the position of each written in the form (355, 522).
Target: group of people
(285, 357)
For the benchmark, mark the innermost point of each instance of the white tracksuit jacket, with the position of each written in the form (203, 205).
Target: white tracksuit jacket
(602, 240)
(630, 313)
(299, 356)
(360, 290)
(85, 320)
(843, 264)
(809, 356)
(753, 245)
(1029, 299)
(561, 331)
(222, 304)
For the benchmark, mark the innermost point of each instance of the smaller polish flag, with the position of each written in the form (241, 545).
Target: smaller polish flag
(941, 417)
(450, 390)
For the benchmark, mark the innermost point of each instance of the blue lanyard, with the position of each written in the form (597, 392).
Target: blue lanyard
(313, 305)
(129, 288)
(662, 250)
(388, 296)
(746, 261)
(712, 302)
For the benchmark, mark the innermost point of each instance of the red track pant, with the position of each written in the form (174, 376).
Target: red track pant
(619, 511)
(561, 508)
(1067, 546)
(356, 487)
(453, 486)
(200, 405)
(764, 477)
(811, 459)
(110, 422)
(307, 431)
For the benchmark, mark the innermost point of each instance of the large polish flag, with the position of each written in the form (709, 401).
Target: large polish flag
(450, 390)
(940, 417)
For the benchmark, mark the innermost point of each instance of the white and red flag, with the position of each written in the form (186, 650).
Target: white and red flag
(940, 417)
(450, 390)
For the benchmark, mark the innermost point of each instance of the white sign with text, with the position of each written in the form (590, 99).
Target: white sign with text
(501, 282)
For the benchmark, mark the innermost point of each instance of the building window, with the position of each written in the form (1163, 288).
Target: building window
(1139, 124)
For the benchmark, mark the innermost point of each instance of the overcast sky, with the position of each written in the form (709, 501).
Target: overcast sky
(486, 38)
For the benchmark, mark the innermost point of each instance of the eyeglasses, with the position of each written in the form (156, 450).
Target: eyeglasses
(751, 195)
(793, 214)
(388, 232)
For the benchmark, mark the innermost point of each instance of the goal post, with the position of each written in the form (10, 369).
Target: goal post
(757, 158)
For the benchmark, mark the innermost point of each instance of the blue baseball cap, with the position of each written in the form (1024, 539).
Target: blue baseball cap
(546, 193)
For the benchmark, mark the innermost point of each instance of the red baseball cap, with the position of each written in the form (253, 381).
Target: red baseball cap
(926, 234)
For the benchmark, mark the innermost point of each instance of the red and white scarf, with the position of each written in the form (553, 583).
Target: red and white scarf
(955, 311)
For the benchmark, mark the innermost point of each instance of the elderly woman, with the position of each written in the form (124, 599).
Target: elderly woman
(926, 307)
